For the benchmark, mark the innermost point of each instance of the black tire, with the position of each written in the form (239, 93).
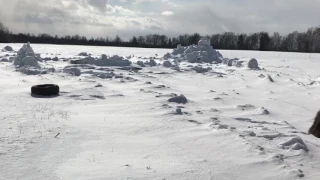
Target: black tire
(45, 90)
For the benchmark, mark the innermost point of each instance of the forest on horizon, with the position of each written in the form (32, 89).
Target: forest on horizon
(308, 41)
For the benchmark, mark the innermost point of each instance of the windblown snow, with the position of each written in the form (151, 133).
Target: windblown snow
(129, 113)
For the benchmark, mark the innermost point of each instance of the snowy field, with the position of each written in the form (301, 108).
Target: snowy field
(237, 124)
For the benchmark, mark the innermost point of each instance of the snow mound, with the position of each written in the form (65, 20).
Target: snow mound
(295, 143)
(26, 57)
(203, 52)
(253, 64)
(8, 48)
(72, 70)
(103, 61)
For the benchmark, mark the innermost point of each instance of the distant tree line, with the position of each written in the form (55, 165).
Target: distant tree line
(308, 41)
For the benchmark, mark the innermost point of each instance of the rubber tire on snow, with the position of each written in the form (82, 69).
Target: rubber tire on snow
(45, 90)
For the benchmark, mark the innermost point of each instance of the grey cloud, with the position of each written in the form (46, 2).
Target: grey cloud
(99, 4)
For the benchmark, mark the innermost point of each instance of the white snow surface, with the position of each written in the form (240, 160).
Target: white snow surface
(123, 127)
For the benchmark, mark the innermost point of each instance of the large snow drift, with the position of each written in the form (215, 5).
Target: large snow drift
(203, 52)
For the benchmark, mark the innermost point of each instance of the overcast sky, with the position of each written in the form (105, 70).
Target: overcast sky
(171, 17)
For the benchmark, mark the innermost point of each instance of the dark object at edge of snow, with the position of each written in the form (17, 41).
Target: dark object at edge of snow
(315, 128)
(45, 90)
(179, 99)
(83, 54)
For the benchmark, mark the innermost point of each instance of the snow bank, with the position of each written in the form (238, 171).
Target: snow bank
(103, 61)
(203, 52)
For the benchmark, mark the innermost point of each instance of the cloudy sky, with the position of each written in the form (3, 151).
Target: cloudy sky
(126, 18)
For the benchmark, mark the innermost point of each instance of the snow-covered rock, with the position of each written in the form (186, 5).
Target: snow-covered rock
(253, 64)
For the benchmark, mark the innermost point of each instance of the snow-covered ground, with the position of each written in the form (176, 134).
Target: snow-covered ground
(237, 124)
